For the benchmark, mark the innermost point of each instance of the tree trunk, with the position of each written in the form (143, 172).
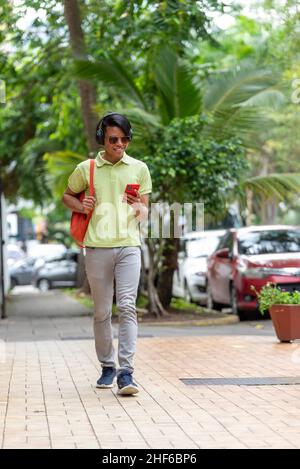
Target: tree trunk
(154, 307)
(87, 94)
(268, 211)
(169, 260)
(249, 201)
(169, 265)
(87, 91)
(144, 275)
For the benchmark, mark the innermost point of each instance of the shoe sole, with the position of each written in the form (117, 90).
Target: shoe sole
(106, 386)
(128, 390)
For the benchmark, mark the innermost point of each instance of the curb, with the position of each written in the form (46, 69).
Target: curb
(232, 319)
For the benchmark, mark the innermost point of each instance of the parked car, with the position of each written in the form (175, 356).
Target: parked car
(23, 268)
(189, 281)
(14, 254)
(21, 271)
(252, 256)
(57, 272)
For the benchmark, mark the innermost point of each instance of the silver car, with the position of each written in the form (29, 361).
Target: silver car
(189, 281)
(22, 270)
(55, 273)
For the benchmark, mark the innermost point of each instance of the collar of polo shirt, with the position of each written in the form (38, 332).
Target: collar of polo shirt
(100, 161)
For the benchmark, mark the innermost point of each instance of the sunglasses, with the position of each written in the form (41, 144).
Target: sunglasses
(113, 140)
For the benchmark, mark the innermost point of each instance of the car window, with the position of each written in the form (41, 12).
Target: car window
(74, 257)
(226, 241)
(202, 247)
(269, 242)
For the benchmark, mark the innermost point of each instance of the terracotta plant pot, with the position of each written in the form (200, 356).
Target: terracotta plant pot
(286, 320)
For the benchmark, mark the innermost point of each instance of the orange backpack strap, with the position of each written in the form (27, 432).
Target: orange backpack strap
(92, 170)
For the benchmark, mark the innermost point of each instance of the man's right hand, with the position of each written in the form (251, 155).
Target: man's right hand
(88, 204)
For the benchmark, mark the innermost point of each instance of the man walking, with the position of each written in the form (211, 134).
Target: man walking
(112, 241)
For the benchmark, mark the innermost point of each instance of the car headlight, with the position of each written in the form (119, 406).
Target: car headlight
(254, 273)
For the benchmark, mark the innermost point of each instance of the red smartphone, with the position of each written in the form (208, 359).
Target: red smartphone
(132, 189)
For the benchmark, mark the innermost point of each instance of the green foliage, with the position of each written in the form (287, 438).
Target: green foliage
(142, 301)
(157, 60)
(239, 101)
(172, 80)
(278, 186)
(181, 304)
(42, 111)
(178, 95)
(60, 165)
(114, 74)
(189, 166)
(270, 295)
(138, 26)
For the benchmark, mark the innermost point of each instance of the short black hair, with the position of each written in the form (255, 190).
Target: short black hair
(112, 119)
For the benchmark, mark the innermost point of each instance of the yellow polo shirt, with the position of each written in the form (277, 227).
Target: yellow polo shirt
(113, 223)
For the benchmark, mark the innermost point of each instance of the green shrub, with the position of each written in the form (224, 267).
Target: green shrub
(270, 295)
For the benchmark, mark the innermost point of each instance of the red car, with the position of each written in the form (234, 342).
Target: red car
(252, 256)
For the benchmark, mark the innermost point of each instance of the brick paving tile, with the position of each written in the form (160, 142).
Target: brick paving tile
(48, 396)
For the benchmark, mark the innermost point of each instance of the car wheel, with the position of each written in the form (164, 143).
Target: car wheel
(187, 293)
(233, 301)
(242, 314)
(210, 303)
(44, 285)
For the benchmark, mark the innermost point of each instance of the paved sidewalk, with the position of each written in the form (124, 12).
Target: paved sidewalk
(48, 397)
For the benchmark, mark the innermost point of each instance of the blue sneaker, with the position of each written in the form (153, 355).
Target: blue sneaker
(107, 377)
(125, 384)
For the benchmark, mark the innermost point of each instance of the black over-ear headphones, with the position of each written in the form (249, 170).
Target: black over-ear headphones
(100, 131)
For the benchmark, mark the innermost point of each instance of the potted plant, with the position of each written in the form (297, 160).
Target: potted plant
(284, 308)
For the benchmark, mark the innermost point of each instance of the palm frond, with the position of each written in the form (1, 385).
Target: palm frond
(60, 165)
(145, 126)
(270, 98)
(141, 120)
(275, 185)
(236, 87)
(179, 96)
(114, 76)
(239, 101)
(242, 122)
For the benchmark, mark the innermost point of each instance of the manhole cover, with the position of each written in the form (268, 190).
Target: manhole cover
(275, 381)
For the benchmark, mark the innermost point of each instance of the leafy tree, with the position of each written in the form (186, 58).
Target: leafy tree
(188, 167)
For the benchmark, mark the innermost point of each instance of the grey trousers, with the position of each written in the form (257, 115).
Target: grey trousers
(103, 265)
